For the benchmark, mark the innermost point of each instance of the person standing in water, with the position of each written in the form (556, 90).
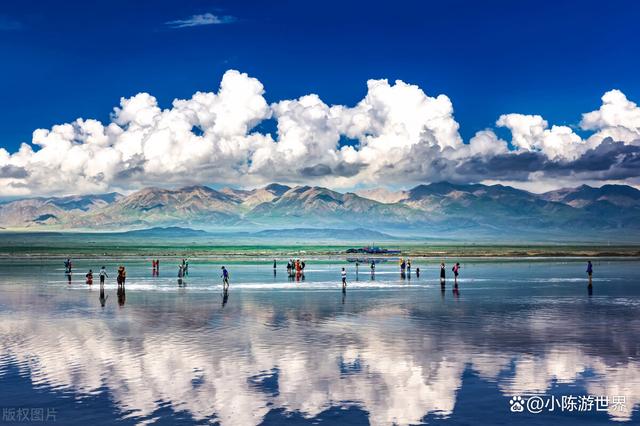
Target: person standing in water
(589, 270)
(409, 267)
(344, 279)
(442, 273)
(89, 277)
(225, 278)
(122, 275)
(456, 272)
(67, 266)
(373, 269)
(103, 275)
(417, 272)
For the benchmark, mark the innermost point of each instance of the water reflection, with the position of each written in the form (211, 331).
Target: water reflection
(399, 379)
(399, 356)
(456, 291)
(102, 298)
(122, 296)
(225, 297)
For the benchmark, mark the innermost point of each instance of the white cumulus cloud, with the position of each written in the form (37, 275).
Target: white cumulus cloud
(398, 135)
(618, 118)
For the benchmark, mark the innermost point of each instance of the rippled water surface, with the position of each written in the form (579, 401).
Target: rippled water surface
(390, 350)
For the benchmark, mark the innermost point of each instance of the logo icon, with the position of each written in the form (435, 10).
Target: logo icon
(517, 404)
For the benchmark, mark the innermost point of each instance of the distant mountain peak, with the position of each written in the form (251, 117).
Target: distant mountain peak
(189, 188)
(277, 189)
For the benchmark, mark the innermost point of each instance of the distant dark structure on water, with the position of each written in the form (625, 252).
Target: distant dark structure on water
(372, 250)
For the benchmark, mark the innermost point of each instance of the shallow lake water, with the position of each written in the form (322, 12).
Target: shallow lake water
(278, 350)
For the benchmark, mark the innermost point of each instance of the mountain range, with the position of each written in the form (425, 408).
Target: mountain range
(446, 210)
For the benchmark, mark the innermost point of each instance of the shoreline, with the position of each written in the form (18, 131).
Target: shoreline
(504, 252)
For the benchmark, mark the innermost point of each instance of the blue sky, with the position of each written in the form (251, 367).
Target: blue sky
(69, 59)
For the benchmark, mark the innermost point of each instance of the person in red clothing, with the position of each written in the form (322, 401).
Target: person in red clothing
(456, 272)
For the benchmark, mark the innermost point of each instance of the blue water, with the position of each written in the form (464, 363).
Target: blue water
(279, 350)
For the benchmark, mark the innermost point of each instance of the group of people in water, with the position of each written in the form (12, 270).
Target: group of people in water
(294, 268)
(103, 275)
(183, 271)
(443, 272)
(405, 268)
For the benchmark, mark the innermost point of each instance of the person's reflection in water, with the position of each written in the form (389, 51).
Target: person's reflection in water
(102, 298)
(344, 294)
(456, 292)
(442, 289)
(225, 297)
(590, 289)
(68, 277)
(122, 297)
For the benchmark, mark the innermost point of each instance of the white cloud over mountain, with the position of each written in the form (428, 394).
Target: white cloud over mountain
(401, 136)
